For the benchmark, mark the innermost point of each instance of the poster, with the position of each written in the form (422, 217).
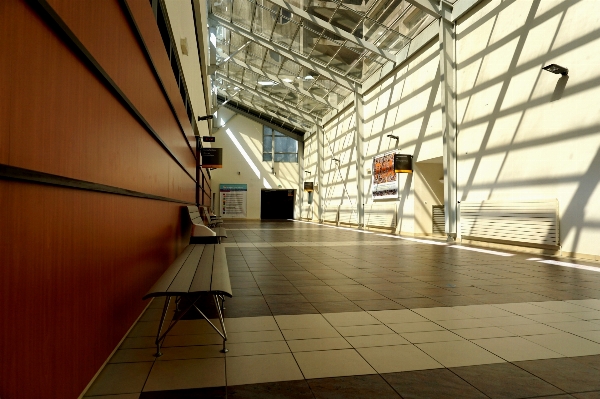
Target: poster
(233, 200)
(385, 180)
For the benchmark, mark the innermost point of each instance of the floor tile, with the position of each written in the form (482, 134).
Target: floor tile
(505, 381)
(359, 386)
(240, 324)
(138, 342)
(288, 322)
(508, 321)
(120, 378)
(458, 353)
(376, 340)
(190, 340)
(271, 390)
(352, 331)
(391, 359)
(254, 336)
(575, 326)
(436, 314)
(378, 304)
(185, 374)
(262, 368)
(523, 308)
(194, 393)
(515, 349)
(334, 363)
(292, 308)
(482, 311)
(561, 306)
(397, 316)
(121, 396)
(309, 333)
(530, 329)
(485, 332)
(437, 383)
(431, 336)
(256, 348)
(190, 352)
(587, 395)
(134, 355)
(310, 345)
(566, 344)
(350, 319)
(566, 374)
(337, 307)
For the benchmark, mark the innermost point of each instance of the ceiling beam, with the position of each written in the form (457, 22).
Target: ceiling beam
(305, 62)
(431, 7)
(276, 79)
(267, 122)
(274, 101)
(334, 29)
(265, 111)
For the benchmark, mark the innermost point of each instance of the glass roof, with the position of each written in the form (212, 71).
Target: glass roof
(306, 55)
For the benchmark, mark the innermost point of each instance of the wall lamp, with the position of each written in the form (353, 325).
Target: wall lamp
(335, 160)
(204, 118)
(557, 69)
(306, 171)
(393, 137)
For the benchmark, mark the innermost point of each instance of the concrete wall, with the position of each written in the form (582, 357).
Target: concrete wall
(523, 133)
(241, 140)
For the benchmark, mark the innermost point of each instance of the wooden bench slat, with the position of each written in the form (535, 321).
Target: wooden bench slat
(163, 283)
(181, 283)
(202, 277)
(220, 272)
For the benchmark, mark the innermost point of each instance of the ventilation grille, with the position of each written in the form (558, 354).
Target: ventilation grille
(381, 214)
(534, 223)
(438, 219)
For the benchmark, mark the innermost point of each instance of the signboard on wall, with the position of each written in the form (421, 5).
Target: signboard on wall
(233, 200)
(403, 163)
(309, 186)
(385, 181)
(212, 157)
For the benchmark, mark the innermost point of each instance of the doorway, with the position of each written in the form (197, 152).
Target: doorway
(277, 204)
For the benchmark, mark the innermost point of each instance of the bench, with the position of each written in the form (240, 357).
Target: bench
(201, 268)
(210, 220)
(201, 233)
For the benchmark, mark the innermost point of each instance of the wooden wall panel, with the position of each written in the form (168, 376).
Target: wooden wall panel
(144, 20)
(75, 265)
(102, 142)
(119, 53)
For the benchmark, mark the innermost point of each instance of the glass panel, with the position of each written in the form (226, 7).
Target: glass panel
(392, 41)
(264, 19)
(285, 144)
(267, 139)
(242, 10)
(309, 37)
(267, 157)
(222, 8)
(286, 157)
(348, 20)
(372, 30)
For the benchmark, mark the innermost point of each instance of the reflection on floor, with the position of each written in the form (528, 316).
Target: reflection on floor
(321, 312)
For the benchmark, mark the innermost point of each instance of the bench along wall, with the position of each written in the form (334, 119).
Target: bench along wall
(96, 162)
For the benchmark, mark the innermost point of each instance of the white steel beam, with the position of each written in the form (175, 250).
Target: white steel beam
(431, 7)
(289, 133)
(449, 121)
(358, 147)
(275, 101)
(305, 62)
(276, 79)
(267, 112)
(334, 29)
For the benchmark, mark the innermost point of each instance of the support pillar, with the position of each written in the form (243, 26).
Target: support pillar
(198, 173)
(358, 141)
(447, 40)
(321, 191)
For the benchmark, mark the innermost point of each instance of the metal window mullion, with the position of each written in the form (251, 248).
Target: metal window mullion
(294, 35)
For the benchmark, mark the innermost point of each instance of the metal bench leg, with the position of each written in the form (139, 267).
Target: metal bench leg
(162, 320)
(224, 350)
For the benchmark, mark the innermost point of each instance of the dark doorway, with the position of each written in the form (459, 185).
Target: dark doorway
(277, 204)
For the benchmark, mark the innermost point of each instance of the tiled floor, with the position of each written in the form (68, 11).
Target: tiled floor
(322, 312)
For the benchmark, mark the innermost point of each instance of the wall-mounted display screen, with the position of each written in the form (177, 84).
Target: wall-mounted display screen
(212, 157)
(309, 186)
(403, 163)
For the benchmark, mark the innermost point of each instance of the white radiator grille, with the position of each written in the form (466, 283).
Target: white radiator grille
(348, 215)
(381, 214)
(530, 222)
(438, 220)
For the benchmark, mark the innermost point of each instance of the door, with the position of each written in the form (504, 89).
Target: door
(277, 204)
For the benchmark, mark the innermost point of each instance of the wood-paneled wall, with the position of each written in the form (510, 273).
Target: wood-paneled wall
(74, 264)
